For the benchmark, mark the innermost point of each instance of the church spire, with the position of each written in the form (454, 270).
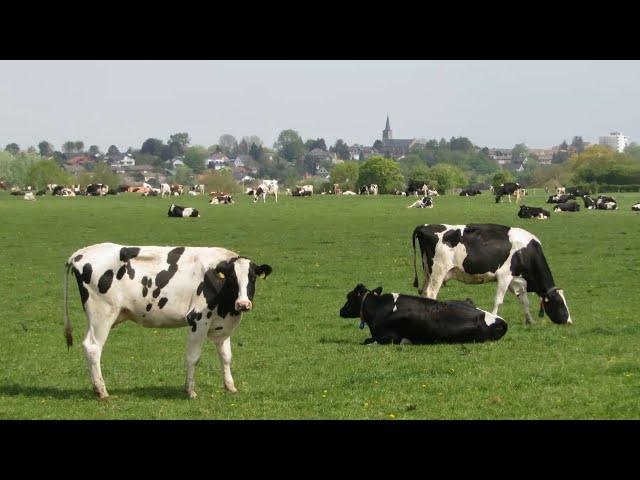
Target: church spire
(386, 133)
(387, 127)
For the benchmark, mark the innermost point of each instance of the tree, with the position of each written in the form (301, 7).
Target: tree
(69, 147)
(447, 176)
(219, 181)
(443, 143)
(79, 146)
(462, 144)
(383, 172)
(578, 144)
(317, 143)
(102, 173)
(290, 145)
(183, 175)
(519, 153)
(228, 144)
(44, 172)
(256, 151)
(12, 148)
(45, 148)
(378, 145)
(341, 149)
(153, 146)
(251, 139)
(94, 150)
(194, 158)
(346, 175)
(178, 143)
(243, 147)
(112, 151)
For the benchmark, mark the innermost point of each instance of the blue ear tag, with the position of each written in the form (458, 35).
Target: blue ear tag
(361, 325)
(541, 311)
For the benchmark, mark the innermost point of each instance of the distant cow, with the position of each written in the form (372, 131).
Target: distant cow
(395, 191)
(560, 190)
(123, 188)
(509, 188)
(150, 193)
(221, 200)
(606, 203)
(177, 188)
(424, 202)
(364, 190)
(177, 211)
(373, 189)
(563, 198)
(589, 203)
(305, 188)
(268, 187)
(480, 253)
(397, 318)
(337, 190)
(533, 212)
(29, 196)
(567, 207)
(470, 192)
(39, 193)
(97, 189)
(165, 189)
(635, 207)
(204, 289)
(577, 191)
(349, 192)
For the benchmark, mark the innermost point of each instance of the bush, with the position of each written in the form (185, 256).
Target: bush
(219, 181)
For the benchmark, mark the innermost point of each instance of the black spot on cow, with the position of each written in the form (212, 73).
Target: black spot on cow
(121, 271)
(127, 253)
(87, 270)
(209, 313)
(145, 290)
(452, 237)
(174, 255)
(149, 283)
(149, 306)
(200, 288)
(199, 316)
(487, 246)
(163, 301)
(77, 258)
(84, 293)
(105, 281)
(191, 320)
(164, 276)
(130, 270)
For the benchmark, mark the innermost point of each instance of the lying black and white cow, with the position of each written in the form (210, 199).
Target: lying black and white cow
(364, 190)
(509, 188)
(301, 193)
(470, 192)
(635, 207)
(97, 190)
(567, 207)
(533, 212)
(480, 253)
(606, 203)
(424, 202)
(206, 289)
(177, 211)
(221, 200)
(396, 318)
(577, 191)
(589, 204)
(564, 198)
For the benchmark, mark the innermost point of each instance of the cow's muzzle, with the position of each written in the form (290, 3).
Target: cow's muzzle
(243, 305)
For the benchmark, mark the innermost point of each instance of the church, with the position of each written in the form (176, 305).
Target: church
(394, 147)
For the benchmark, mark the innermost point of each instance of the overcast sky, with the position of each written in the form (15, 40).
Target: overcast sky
(494, 103)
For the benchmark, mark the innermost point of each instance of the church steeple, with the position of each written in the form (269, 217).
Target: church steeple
(386, 133)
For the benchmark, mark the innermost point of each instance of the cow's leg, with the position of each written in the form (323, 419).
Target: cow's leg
(433, 282)
(100, 322)
(224, 352)
(503, 285)
(519, 288)
(195, 340)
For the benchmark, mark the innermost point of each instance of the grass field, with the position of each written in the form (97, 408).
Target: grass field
(294, 357)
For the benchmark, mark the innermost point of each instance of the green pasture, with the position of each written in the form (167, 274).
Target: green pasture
(294, 357)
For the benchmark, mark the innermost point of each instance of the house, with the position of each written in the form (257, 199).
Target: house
(318, 155)
(321, 171)
(217, 161)
(395, 147)
(501, 155)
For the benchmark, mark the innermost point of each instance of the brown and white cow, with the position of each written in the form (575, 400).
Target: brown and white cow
(206, 289)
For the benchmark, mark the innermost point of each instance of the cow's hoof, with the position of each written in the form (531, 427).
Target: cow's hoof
(192, 395)
(231, 389)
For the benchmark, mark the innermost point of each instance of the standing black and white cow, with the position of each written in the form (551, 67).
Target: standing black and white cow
(509, 188)
(267, 187)
(396, 318)
(178, 211)
(567, 207)
(533, 212)
(206, 289)
(480, 253)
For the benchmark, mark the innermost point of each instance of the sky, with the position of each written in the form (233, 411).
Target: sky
(494, 103)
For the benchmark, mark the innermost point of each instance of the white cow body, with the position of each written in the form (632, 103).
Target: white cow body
(165, 189)
(373, 189)
(162, 287)
(29, 196)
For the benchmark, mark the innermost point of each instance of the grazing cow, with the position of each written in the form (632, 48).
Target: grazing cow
(533, 212)
(165, 189)
(221, 200)
(178, 189)
(3, 186)
(480, 253)
(606, 203)
(561, 190)
(563, 198)
(509, 188)
(349, 192)
(364, 190)
(177, 211)
(567, 207)
(397, 318)
(424, 202)
(29, 196)
(470, 192)
(337, 190)
(373, 189)
(635, 207)
(267, 187)
(206, 289)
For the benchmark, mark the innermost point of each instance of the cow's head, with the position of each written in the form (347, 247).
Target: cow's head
(258, 192)
(555, 306)
(239, 276)
(355, 298)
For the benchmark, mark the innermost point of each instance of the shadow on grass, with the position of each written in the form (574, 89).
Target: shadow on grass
(339, 341)
(161, 392)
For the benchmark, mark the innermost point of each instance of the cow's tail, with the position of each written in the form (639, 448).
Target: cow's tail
(68, 329)
(415, 269)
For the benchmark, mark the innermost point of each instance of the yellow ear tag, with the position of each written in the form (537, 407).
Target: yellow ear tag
(220, 274)
(263, 275)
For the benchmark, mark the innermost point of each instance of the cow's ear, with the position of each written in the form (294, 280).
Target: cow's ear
(377, 291)
(263, 271)
(222, 269)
